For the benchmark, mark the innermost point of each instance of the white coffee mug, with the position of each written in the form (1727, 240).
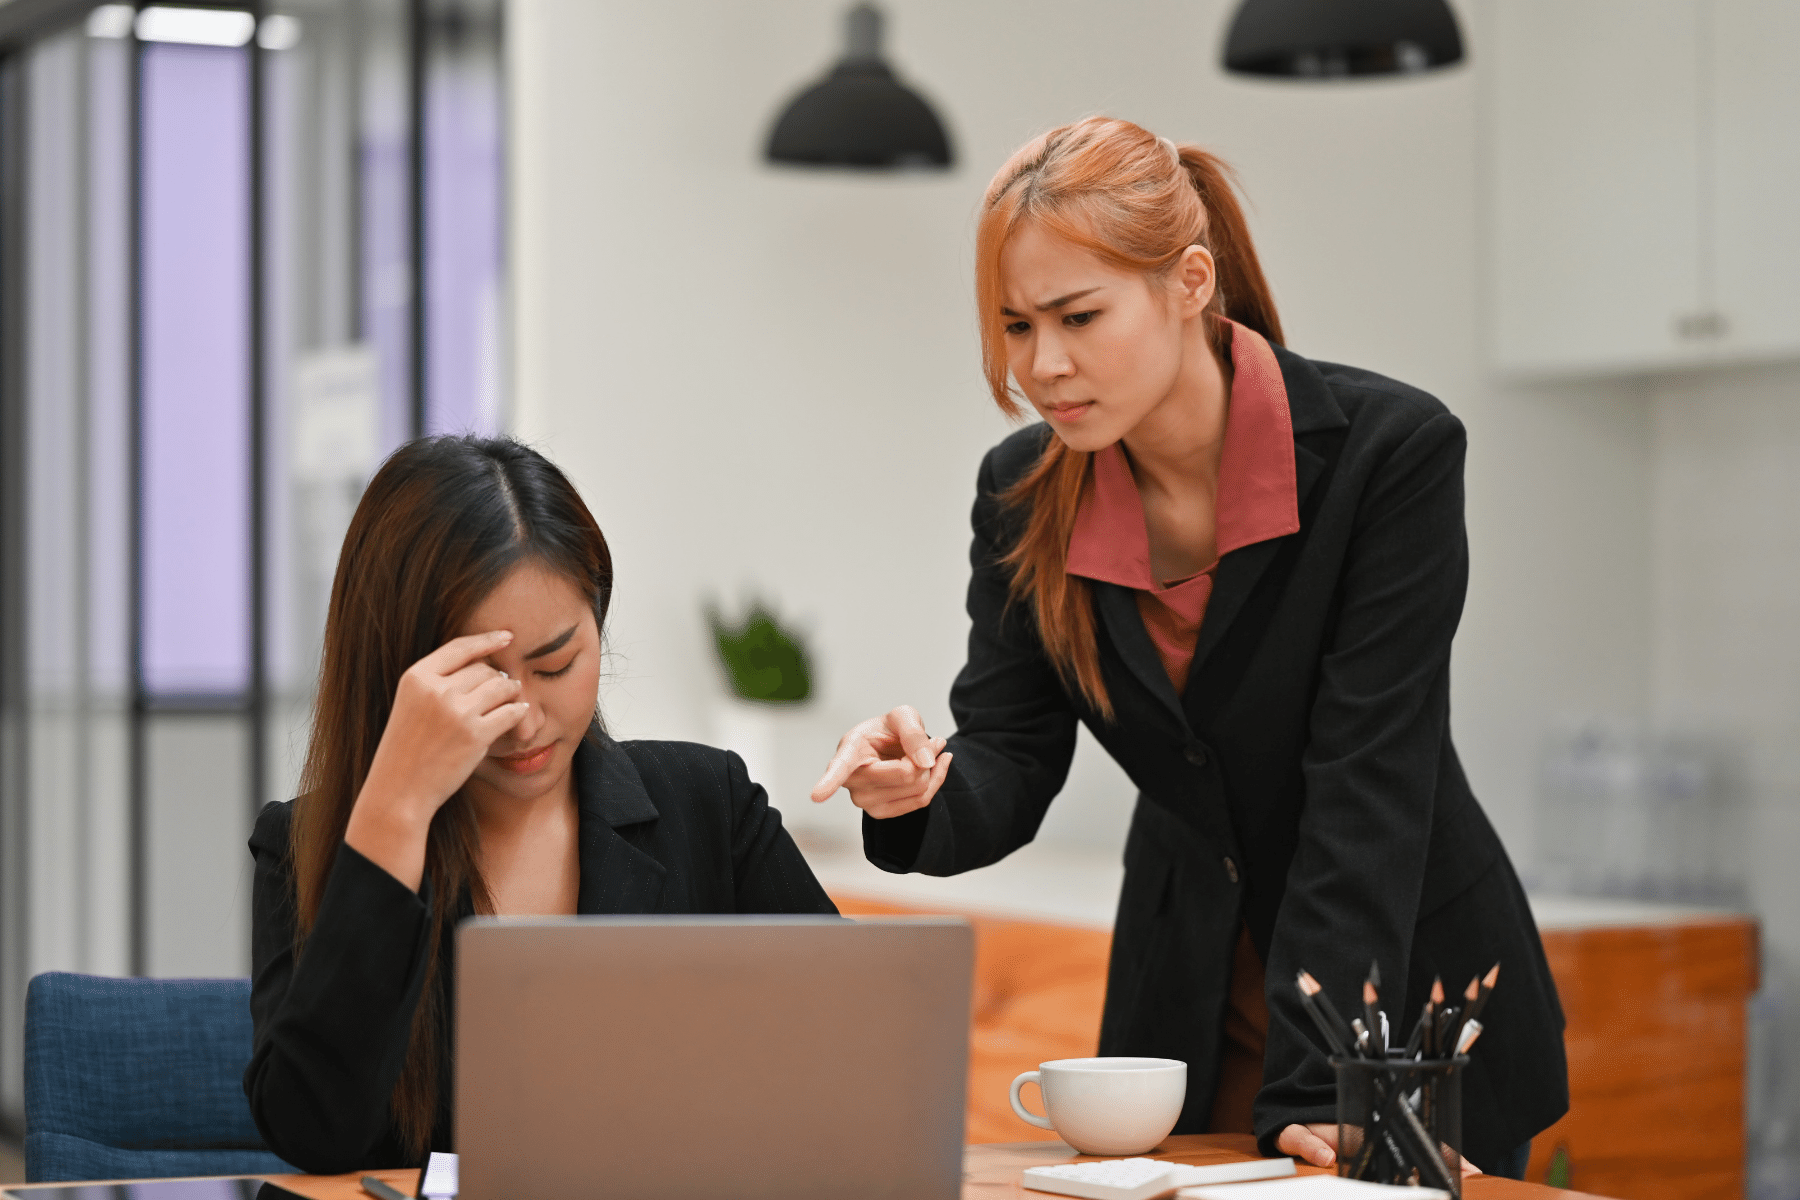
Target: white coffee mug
(1107, 1106)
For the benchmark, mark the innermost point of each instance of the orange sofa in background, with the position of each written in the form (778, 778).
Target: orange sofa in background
(1038, 993)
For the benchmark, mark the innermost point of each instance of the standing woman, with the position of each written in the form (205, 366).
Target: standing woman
(458, 766)
(1242, 570)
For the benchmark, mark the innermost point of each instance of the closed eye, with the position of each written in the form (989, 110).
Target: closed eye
(560, 671)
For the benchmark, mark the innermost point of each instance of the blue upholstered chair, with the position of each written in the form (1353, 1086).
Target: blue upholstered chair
(138, 1079)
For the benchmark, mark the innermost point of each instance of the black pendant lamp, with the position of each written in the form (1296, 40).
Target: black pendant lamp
(1334, 39)
(860, 115)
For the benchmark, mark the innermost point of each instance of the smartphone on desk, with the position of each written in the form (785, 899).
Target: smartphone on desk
(243, 1188)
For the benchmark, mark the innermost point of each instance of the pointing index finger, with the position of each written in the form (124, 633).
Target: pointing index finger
(851, 754)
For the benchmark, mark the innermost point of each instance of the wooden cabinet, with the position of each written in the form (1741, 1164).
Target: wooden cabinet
(1754, 199)
(1643, 162)
(1656, 1042)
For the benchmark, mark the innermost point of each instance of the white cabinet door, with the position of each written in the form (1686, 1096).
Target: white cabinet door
(1755, 176)
(1594, 137)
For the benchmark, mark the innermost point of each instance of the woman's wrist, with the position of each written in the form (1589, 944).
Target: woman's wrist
(391, 802)
(389, 828)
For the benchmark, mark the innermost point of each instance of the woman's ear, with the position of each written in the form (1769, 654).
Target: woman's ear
(1196, 278)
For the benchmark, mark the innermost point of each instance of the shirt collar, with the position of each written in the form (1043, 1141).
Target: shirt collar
(1257, 497)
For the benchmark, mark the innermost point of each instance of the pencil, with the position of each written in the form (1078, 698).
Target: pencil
(1424, 1148)
(1446, 1029)
(1317, 991)
(1415, 1044)
(1432, 1008)
(1482, 993)
(1469, 1008)
(1478, 992)
(1309, 997)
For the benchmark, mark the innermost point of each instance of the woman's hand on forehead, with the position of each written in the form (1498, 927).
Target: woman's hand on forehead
(450, 707)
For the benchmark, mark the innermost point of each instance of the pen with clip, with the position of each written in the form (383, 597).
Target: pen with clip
(382, 1191)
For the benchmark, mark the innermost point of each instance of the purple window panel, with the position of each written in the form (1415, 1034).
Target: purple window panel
(386, 246)
(463, 251)
(196, 308)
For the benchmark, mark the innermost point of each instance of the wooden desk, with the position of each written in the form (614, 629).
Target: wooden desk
(990, 1172)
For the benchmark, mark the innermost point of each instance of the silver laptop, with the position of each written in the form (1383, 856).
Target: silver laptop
(661, 1058)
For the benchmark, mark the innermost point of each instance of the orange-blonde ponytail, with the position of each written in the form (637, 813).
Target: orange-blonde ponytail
(1137, 201)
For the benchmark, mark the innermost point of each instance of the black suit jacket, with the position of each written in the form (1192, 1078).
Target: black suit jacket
(1304, 784)
(665, 827)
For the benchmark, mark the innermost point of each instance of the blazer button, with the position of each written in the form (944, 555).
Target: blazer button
(1196, 754)
(1231, 870)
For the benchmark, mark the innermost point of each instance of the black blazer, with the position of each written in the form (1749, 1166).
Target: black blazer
(665, 827)
(1304, 784)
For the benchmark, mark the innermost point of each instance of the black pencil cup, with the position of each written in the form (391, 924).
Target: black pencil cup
(1400, 1121)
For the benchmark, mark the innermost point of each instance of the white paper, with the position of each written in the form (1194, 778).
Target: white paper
(440, 1177)
(1308, 1187)
(1189, 1175)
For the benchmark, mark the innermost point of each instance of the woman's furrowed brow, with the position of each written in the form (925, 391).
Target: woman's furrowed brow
(1048, 305)
(553, 645)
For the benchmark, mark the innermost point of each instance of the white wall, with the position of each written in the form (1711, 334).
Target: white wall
(766, 379)
(1727, 642)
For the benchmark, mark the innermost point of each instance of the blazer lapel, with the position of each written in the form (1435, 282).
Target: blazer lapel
(616, 876)
(1232, 584)
(1125, 625)
(1312, 409)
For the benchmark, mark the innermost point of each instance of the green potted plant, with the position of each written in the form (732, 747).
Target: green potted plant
(764, 663)
(768, 677)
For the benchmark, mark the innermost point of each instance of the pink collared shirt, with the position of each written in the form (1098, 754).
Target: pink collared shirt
(1256, 500)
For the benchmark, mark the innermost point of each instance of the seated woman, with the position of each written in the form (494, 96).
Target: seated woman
(457, 766)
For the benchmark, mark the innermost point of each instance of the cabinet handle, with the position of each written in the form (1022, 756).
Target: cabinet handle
(1699, 326)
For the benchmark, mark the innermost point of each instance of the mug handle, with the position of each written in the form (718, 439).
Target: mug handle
(1021, 1081)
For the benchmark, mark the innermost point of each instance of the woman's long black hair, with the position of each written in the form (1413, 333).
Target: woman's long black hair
(442, 523)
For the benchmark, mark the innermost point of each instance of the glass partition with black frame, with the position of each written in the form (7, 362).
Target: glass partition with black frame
(244, 252)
